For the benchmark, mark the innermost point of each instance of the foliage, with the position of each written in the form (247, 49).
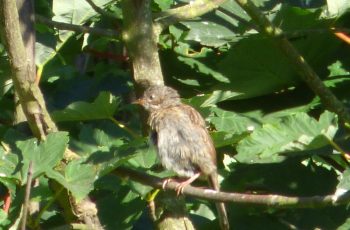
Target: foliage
(271, 133)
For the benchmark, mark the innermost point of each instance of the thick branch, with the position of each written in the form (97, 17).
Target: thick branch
(192, 10)
(29, 94)
(275, 201)
(300, 64)
(76, 28)
(141, 38)
(26, 18)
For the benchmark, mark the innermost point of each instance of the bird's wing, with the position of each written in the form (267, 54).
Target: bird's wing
(200, 127)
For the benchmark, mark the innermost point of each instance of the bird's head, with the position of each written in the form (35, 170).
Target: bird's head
(159, 97)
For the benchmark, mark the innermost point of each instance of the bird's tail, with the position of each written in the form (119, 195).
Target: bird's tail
(220, 206)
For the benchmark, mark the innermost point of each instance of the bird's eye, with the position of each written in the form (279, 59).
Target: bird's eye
(151, 97)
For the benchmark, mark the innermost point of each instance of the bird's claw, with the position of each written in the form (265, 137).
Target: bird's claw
(179, 188)
(165, 182)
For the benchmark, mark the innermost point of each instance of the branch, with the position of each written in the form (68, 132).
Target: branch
(192, 10)
(29, 94)
(140, 38)
(305, 71)
(275, 201)
(299, 33)
(76, 28)
(101, 11)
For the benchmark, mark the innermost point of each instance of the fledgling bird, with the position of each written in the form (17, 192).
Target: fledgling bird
(182, 141)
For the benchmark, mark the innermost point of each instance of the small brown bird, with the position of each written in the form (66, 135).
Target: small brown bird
(183, 143)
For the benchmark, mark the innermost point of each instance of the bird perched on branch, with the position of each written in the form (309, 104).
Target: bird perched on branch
(183, 143)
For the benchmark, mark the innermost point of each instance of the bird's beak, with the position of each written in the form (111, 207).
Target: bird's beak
(139, 101)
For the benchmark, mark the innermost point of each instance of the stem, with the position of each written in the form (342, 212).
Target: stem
(27, 196)
(124, 127)
(77, 28)
(192, 10)
(101, 11)
(51, 201)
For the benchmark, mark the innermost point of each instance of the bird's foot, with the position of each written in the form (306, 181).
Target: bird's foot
(180, 187)
(166, 181)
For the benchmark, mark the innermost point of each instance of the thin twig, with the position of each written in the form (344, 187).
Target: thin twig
(100, 10)
(307, 74)
(276, 201)
(27, 196)
(76, 28)
(192, 10)
(300, 33)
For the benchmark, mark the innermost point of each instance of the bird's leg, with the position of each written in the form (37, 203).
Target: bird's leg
(180, 187)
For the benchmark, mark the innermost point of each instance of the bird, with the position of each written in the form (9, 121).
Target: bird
(183, 144)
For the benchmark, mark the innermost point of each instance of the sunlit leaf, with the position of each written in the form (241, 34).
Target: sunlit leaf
(78, 178)
(103, 107)
(44, 156)
(293, 133)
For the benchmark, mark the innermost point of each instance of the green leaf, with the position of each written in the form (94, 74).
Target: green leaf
(222, 139)
(337, 69)
(295, 133)
(129, 206)
(68, 11)
(344, 182)
(4, 221)
(78, 178)
(44, 156)
(203, 67)
(103, 107)
(209, 33)
(345, 225)
(164, 4)
(232, 122)
(9, 165)
(145, 157)
(204, 211)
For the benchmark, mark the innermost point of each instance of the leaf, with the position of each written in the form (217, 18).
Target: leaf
(68, 11)
(163, 4)
(232, 122)
(145, 157)
(337, 7)
(94, 139)
(344, 182)
(204, 211)
(9, 165)
(4, 221)
(218, 27)
(44, 156)
(337, 69)
(204, 68)
(103, 107)
(345, 225)
(78, 178)
(129, 206)
(295, 133)
(210, 33)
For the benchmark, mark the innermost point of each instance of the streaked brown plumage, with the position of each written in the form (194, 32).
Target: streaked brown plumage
(183, 144)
